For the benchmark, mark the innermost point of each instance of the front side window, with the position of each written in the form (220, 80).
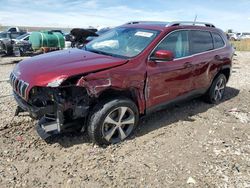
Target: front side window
(201, 41)
(122, 42)
(218, 41)
(177, 43)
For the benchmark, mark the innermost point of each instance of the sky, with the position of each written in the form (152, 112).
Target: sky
(225, 14)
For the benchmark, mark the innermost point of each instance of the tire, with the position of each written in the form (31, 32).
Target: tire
(3, 47)
(112, 121)
(9, 49)
(216, 91)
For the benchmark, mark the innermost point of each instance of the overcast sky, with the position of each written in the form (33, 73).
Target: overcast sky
(225, 14)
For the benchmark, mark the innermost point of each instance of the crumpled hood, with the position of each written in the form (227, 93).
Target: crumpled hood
(43, 69)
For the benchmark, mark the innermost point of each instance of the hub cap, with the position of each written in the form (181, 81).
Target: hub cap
(118, 124)
(219, 90)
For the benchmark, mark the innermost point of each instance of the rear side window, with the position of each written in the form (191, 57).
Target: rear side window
(218, 41)
(201, 41)
(176, 42)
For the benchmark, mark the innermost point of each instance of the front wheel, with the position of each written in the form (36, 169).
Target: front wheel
(216, 92)
(113, 121)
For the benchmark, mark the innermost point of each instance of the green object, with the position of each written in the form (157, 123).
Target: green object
(47, 39)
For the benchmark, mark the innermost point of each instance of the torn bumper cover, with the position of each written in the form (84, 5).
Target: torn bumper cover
(54, 118)
(35, 112)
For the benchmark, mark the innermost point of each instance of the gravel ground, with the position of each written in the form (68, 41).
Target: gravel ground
(190, 145)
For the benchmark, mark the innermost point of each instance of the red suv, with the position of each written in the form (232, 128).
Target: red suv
(128, 72)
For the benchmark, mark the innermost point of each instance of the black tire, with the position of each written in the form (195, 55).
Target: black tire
(216, 91)
(100, 128)
(9, 49)
(3, 47)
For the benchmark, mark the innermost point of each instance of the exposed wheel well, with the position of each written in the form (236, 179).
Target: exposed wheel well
(226, 72)
(112, 93)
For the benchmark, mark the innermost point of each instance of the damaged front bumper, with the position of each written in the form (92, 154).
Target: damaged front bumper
(35, 112)
(54, 118)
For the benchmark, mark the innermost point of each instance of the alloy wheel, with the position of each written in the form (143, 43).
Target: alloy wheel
(118, 124)
(219, 89)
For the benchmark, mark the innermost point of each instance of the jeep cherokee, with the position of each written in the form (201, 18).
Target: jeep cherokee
(130, 71)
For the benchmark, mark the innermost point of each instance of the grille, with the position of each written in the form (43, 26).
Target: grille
(19, 86)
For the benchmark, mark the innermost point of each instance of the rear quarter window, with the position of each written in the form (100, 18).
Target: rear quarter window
(201, 41)
(218, 41)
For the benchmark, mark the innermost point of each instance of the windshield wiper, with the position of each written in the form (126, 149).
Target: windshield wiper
(104, 53)
(100, 52)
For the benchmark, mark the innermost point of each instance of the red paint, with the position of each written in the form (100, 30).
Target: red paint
(164, 55)
(152, 82)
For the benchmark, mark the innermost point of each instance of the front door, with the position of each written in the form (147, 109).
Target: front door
(170, 79)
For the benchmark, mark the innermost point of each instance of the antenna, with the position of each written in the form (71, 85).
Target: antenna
(195, 18)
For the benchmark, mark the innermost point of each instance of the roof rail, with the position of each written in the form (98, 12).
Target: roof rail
(178, 23)
(147, 22)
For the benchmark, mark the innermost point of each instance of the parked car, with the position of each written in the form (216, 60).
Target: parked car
(15, 30)
(234, 36)
(129, 72)
(7, 41)
(99, 33)
(244, 36)
(24, 37)
(78, 37)
(22, 45)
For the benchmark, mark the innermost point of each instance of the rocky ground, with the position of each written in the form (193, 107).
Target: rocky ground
(190, 145)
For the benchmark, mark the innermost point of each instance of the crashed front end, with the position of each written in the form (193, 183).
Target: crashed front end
(58, 107)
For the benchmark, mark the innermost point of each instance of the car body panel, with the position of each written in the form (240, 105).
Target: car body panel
(43, 69)
(167, 80)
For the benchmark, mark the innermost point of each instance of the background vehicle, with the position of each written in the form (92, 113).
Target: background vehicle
(99, 33)
(78, 36)
(24, 37)
(130, 71)
(7, 41)
(244, 36)
(15, 30)
(22, 45)
(234, 36)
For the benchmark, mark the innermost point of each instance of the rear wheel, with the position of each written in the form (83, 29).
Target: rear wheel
(113, 121)
(216, 92)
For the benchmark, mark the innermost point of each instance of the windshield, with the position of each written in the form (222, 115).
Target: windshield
(122, 42)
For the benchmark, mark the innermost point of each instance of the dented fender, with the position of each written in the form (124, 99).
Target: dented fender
(94, 87)
(96, 84)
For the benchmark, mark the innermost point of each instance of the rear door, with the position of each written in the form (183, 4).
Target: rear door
(170, 79)
(201, 47)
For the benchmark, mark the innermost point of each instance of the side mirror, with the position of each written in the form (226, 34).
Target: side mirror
(162, 55)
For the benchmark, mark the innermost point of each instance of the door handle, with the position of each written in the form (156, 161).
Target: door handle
(217, 57)
(188, 65)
